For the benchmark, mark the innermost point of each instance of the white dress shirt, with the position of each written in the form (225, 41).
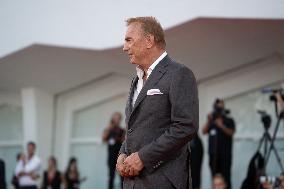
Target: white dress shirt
(32, 165)
(140, 74)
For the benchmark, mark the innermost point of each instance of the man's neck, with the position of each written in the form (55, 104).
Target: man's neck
(151, 59)
(30, 156)
(52, 169)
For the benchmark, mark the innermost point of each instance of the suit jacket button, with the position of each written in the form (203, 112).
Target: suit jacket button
(130, 130)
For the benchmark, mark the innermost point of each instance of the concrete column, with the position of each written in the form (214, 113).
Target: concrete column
(38, 120)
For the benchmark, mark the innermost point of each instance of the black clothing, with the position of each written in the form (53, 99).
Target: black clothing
(15, 182)
(114, 143)
(219, 142)
(255, 170)
(55, 183)
(72, 183)
(196, 161)
(116, 134)
(220, 149)
(221, 164)
(112, 168)
(28, 187)
(2, 175)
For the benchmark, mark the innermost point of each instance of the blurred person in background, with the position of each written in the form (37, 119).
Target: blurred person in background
(28, 169)
(113, 135)
(267, 185)
(51, 177)
(15, 181)
(2, 175)
(282, 181)
(196, 161)
(219, 182)
(221, 129)
(72, 176)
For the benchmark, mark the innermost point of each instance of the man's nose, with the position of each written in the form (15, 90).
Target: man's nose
(125, 48)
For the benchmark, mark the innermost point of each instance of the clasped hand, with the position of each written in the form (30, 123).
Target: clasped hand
(129, 166)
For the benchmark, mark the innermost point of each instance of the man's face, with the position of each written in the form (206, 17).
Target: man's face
(22, 157)
(218, 183)
(31, 149)
(116, 119)
(282, 181)
(221, 105)
(135, 43)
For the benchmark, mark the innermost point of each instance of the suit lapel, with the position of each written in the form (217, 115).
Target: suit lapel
(130, 97)
(155, 76)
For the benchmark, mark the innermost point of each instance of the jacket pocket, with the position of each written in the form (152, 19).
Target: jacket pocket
(177, 171)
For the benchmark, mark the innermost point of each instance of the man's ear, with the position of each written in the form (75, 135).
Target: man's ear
(150, 41)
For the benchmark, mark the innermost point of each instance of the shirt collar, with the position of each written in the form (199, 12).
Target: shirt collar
(140, 72)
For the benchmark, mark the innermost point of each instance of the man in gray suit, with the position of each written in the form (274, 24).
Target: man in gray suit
(161, 113)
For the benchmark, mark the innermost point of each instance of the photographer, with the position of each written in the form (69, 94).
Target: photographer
(113, 135)
(220, 128)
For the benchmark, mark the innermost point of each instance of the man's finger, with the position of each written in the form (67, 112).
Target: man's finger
(131, 172)
(127, 160)
(123, 171)
(120, 168)
(135, 172)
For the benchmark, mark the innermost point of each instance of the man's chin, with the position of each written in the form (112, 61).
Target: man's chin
(132, 62)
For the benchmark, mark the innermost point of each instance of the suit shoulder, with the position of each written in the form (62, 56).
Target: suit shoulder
(178, 68)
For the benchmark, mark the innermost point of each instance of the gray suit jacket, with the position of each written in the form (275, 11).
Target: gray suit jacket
(160, 126)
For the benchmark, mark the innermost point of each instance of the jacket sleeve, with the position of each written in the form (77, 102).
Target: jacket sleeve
(183, 97)
(122, 148)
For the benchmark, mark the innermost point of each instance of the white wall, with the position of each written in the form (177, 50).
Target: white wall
(78, 132)
(25, 117)
(11, 135)
(100, 24)
(10, 98)
(11, 101)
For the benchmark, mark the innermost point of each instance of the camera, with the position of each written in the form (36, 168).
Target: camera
(273, 92)
(265, 118)
(219, 112)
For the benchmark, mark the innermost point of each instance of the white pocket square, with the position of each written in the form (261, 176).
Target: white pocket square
(154, 92)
